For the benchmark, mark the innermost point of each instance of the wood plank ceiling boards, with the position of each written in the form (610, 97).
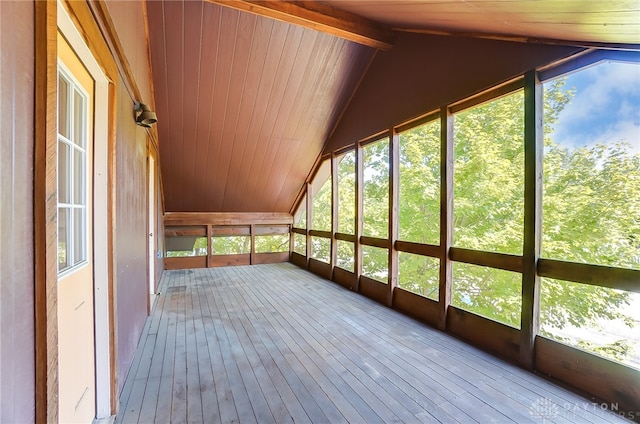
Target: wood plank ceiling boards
(247, 92)
(244, 104)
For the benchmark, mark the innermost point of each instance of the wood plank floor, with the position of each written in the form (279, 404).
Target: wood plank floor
(277, 344)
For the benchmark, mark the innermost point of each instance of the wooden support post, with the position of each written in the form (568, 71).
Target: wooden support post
(394, 187)
(357, 246)
(252, 255)
(309, 206)
(533, 151)
(209, 246)
(334, 211)
(446, 214)
(45, 214)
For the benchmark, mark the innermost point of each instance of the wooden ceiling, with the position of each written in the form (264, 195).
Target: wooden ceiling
(575, 21)
(244, 104)
(247, 91)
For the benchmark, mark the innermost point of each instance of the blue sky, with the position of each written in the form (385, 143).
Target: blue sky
(606, 107)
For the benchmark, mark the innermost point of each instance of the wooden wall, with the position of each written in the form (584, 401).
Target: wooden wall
(131, 260)
(423, 72)
(17, 360)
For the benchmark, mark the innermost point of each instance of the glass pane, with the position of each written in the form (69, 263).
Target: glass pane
(63, 237)
(272, 243)
(591, 201)
(186, 246)
(375, 263)
(64, 172)
(63, 107)
(300, 244)
(346, 256)
(321, 249)
(300, 217)
(347, 193)
(321, 200)
(79, 177)
(419, 194)
(489, 176)
(597, 319)
(79, 116)
(419, 274)
(230, 245)
(376, 189)
(79, 236)
(492, 293)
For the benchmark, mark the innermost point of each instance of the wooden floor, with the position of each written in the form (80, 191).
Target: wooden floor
(276, 344)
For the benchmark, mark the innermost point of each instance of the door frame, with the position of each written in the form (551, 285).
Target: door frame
(99, 211)
(83, 25)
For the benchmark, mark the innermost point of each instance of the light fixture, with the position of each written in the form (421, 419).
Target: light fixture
(145, 117)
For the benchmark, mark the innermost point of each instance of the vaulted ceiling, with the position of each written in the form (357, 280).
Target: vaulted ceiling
(245, 102)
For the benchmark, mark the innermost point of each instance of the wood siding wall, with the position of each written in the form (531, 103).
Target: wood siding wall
(424, 72)
(131, 189)
(17, 361)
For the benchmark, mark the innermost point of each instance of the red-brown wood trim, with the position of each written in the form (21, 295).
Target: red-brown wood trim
(504, 341)
(523, 39)
(345, 237)
(334, 210)
(185, 262)
(45, 213)
(345, 278)
(416, 122)
(597, 275)
(416, 306)
(298, 259)
(359, 207)
(491, 259)
(374, 289)
(607, 380)
(299, 231)
(226, 218)
(320, 233)
(446, 214)
(394, 189)
(485, 96)
(418, 248)
(375, 242)
(229, 260)
(533, 152)
(319, 17)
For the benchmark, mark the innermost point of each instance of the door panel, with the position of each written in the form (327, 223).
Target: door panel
(76, 352)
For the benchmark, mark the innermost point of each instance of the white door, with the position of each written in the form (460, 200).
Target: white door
(76, 344)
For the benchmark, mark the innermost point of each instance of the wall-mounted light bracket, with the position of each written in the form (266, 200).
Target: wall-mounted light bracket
(145, 117)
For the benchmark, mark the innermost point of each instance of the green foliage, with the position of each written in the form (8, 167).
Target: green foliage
(376, 189)
(272, 243)
(419, 194)
(591, 214)
(230, 245)
(347, 193)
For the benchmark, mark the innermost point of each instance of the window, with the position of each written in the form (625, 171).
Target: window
(346, 256)
(376, 189)
(596, 319)
(272, 243)
(492, 293)
(300, 244)
(375, 263)
(180, 246)
(321, 198)
(230, 245)
(346, 192)
(591, 201)
(300, 216)
(73, 115)
(321, 249)
(419, 274)
(419, 195)
(489, 176)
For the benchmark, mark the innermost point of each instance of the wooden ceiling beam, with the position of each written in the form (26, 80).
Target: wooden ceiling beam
(320, 17)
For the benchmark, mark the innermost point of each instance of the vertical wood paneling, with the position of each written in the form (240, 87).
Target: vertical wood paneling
(17, 349)
(250, 102)
(446, 215)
